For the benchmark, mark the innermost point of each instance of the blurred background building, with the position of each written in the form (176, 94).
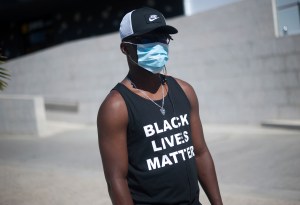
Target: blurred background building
(241, 56)
(31, 25)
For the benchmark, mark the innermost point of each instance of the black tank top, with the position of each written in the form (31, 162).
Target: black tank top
(161, 159)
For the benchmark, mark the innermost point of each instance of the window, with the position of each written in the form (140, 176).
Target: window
(287, 18)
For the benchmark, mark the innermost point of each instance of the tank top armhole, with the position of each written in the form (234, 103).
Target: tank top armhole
(120, 88)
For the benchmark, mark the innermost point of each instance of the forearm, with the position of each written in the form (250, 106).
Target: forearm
(119, 192)
(208, 178)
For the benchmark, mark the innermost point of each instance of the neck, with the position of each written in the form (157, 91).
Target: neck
(144, 80)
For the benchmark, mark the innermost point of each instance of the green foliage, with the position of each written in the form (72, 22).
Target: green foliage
(3, 74)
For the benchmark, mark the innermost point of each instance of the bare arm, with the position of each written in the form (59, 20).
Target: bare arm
(205, 165)
(112, 126)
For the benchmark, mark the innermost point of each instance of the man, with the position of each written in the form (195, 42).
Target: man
(150, 134)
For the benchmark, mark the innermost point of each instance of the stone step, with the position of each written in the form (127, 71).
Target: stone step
(288, 124)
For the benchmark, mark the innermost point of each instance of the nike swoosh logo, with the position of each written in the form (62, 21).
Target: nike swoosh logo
(153, 17)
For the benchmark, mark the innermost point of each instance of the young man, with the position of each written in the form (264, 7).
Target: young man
(150, 134)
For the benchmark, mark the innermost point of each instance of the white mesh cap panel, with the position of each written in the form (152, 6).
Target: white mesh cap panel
(126, 26)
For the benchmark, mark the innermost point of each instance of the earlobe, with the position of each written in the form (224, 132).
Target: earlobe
(123, 48)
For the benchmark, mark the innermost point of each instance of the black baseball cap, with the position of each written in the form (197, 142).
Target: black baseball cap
(144, 20)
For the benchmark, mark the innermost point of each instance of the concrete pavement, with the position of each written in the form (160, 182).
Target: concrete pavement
(255, 165)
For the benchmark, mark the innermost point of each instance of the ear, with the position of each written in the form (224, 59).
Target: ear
(124, 48)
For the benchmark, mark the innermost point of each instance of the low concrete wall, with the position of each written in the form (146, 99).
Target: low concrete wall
(22, 114)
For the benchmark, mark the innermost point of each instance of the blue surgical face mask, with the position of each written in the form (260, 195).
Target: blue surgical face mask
(152, 56)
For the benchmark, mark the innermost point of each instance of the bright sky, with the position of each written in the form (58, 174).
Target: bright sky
(195, 6)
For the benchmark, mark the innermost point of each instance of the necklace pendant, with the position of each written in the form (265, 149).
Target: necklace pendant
(163, 111)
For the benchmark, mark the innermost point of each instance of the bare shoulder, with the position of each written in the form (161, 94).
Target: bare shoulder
(113, 102)
(113, 109)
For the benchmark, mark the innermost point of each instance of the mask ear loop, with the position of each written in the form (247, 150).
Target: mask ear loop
(130, 58)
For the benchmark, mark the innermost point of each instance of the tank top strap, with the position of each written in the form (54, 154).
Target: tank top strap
(130, 100)
(175, 89)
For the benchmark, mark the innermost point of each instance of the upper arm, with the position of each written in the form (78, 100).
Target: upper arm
(112, 123)
(195, 122)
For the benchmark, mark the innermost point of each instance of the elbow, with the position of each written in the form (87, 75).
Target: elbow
(201, 152)
(114, 183)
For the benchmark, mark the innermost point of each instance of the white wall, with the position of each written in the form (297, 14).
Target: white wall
(241, 72)
(80, 72)
(195, 6)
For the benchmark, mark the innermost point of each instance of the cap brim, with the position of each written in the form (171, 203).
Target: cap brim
(167, 29)
(163, 29)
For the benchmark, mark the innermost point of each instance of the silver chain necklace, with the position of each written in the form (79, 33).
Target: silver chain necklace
(162, 109)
